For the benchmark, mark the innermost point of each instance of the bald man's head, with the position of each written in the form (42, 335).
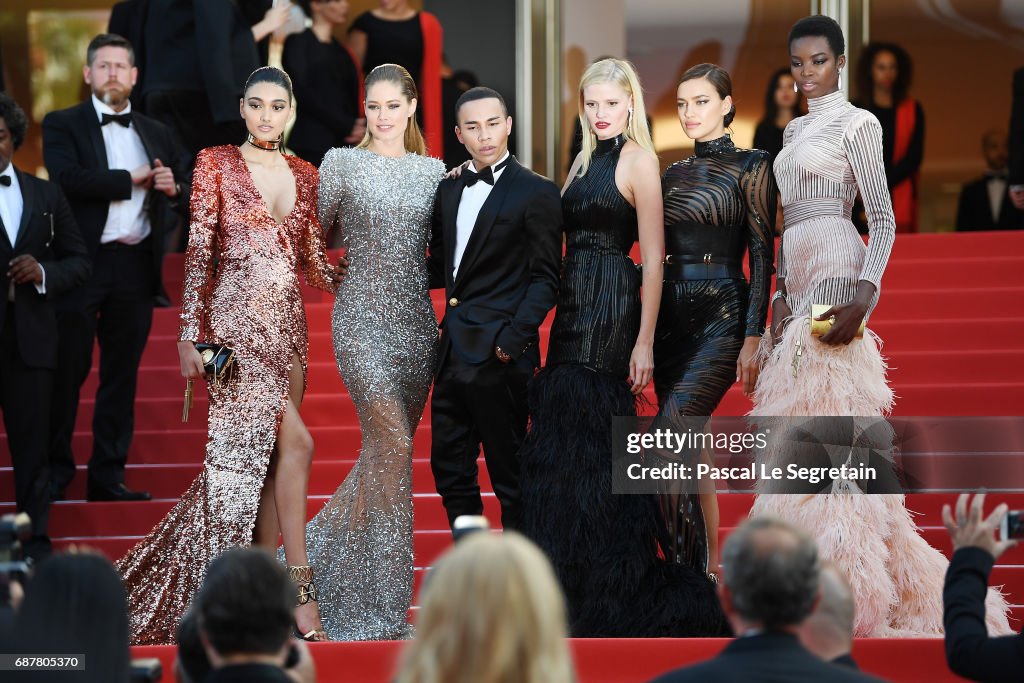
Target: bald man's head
(828, 631)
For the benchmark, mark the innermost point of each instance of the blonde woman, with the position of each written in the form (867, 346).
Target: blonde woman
(492, 613)
(379, 195)
(600, 358)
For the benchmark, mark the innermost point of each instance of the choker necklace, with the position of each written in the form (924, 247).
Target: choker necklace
(267, 146)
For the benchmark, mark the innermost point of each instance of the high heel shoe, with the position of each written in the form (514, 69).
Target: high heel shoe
(302, 577)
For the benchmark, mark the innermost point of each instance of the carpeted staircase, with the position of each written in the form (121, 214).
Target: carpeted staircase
(952, 319)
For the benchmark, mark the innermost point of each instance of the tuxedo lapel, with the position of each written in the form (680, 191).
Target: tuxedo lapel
(27, 199)
(450, 213)
(485, 219)
(92, 126)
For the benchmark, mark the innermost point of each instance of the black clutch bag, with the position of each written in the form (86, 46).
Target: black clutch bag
(218, 361)
(218, 365)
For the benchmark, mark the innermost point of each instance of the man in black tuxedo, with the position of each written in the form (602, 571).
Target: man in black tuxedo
(969, 651)
(985, 203)
(45, 255)
(125, 177)
(495, 248)
(769, 585)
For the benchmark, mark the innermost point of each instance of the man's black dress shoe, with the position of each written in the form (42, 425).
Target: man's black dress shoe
(120, 492)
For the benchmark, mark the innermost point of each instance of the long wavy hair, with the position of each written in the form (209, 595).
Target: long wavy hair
(865, 77)
(393, 73)
(621, 73)
(492, 612)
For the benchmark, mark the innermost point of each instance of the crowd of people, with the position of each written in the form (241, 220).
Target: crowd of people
(86, 265)
(493, 611)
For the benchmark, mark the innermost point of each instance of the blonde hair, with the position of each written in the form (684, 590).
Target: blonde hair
(623, 74)
(393, 73)
(492, 612)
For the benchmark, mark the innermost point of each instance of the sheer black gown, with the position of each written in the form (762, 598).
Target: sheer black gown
(719, 204)
(604, 547)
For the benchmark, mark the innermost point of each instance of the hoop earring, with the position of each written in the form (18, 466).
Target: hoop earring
(795, 88)
(840, 79)
(630, 122)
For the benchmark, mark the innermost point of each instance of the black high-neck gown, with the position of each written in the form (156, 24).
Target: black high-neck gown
(719, 205)
(604, 547)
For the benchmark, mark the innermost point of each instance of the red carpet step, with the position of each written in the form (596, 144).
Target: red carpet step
(613, 661)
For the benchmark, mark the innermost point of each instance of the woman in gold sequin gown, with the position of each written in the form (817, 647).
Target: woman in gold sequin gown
(242, 290)
(379, 195)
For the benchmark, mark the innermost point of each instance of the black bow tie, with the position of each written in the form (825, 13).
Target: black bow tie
(5, 180)
(124, 119)
(470, 177)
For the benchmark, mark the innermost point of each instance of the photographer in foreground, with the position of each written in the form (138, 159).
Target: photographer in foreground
(969, 651)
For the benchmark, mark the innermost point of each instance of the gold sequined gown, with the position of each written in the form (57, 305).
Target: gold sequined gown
(385, 341)
(252, 302)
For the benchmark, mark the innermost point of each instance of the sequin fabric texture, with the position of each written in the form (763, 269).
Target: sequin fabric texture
(385, 341)
(252, 302)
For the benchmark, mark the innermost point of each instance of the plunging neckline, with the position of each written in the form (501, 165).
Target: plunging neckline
(259, 193)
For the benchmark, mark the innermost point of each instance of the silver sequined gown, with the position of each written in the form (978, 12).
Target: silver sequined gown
(385, 341)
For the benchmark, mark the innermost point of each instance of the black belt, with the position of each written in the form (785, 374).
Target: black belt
(708, 267)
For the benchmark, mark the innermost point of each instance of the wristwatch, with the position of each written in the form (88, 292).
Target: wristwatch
(502, 356)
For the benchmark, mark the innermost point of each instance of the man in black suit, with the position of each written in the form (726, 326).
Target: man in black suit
(125, 177)
(495, 248)
(969, 651)
(1017, 141)
(45, 255)
(985, 203)
(198, 54)
(769, 585)
(828, 630)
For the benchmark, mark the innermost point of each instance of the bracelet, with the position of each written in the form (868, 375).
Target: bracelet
(779, 294)
(502, 356)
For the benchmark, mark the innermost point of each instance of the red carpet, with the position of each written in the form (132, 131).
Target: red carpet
(953, 327)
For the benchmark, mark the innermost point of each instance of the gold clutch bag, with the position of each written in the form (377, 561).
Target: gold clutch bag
(821, 327)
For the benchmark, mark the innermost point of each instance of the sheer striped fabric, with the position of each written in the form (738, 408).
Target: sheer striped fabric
(827, 156)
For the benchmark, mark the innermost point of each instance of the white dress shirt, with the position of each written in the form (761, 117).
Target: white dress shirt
(12, 206)
(472, 201)
(996, 192)
(126, 219)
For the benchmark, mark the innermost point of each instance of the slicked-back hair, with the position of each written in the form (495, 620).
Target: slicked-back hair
(14, 117)
(108, 40)
(820, 26)
(272, 75)
(718, 78)
(771, 571)
(480, 92)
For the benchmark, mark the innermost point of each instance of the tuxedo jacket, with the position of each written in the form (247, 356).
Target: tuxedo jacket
(128, 20)
(48, 233)
(969, 650)
(974, 213)
(1017, 129)
(204, 46)
(76, 159)
(769, 657)
(508, 275)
